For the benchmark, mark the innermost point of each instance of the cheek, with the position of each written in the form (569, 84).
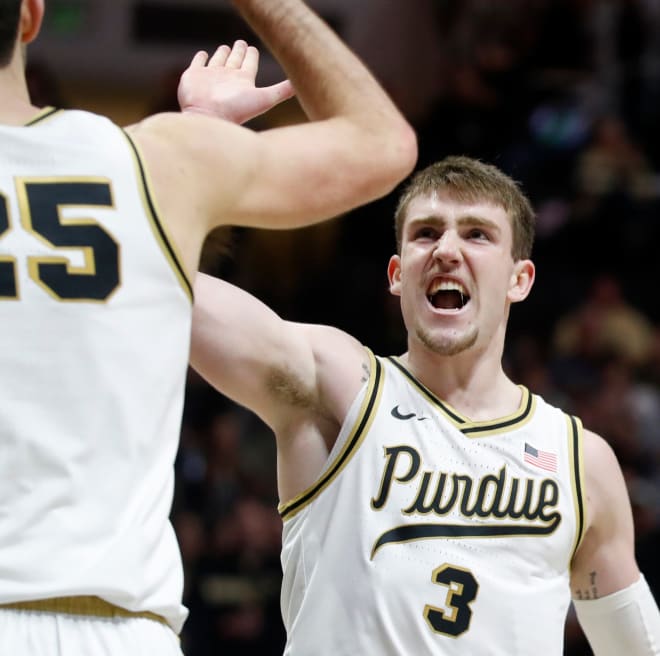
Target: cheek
(405, 291)
(495, 289)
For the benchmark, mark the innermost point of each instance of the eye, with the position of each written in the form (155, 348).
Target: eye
(425, 232)
(478, 234)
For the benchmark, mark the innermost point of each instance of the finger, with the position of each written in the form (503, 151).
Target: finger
(237, 55)
(251, 61)
(199, 59)
(220, 56)
(280, 91)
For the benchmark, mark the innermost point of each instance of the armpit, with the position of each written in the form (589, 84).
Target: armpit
(287, 386)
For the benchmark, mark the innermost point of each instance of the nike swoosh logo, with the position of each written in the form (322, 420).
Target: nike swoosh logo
(398, 415)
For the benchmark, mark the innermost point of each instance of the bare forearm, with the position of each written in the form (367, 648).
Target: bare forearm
(330, 81)
(324, 72)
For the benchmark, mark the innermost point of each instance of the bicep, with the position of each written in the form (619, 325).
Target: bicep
(303, 174)
(246, 351)
(218, 173)
(605, 561)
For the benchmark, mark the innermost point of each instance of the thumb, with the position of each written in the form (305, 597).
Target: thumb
(280, 92)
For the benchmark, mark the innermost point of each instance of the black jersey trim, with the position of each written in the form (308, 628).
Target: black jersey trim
(417, 532)
(161, 234)
(577, 462)
(523, 413)
(44, 114)
(367, 413)
(453, 415)
(465, 425)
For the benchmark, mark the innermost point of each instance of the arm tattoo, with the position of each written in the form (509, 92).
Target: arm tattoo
(590, 592)
(365, 372)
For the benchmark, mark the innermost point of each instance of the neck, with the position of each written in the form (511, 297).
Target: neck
(472, 382)
(15, 105)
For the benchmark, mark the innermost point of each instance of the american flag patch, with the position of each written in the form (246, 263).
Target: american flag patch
(543, 459)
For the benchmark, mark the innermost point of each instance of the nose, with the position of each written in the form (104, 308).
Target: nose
(448, 248)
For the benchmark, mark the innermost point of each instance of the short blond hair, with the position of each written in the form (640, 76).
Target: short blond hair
(470, 180)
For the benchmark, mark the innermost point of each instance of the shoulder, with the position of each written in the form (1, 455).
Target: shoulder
(185, 131)
(342, 364)
(72, 123)
(606, 490)
(607, 550)
(192, 140)
(331, 344)
(600, 461)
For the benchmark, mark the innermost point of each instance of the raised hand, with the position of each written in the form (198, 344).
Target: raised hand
(225, 85)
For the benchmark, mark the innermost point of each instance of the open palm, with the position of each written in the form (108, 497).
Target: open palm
(225, 85)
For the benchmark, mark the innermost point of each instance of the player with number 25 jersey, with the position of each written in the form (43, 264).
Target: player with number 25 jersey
(80, 244)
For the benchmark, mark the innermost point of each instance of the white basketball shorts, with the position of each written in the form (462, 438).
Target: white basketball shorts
(46, 633)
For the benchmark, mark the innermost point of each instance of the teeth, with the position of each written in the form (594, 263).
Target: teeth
(447, 286)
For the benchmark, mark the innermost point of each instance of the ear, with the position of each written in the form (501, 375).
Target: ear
(32, 13)
(522, 279)
(394, 275)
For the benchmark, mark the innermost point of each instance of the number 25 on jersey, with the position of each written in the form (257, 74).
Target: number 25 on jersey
(41, 201)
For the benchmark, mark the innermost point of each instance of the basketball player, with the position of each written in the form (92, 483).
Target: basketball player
(430, 504)
(100, 232)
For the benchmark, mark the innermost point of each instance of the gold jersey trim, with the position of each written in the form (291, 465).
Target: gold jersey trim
(576, 460)
(88, 606)
(45, 113)
(167, 245)
(360, 429)
(468, 427)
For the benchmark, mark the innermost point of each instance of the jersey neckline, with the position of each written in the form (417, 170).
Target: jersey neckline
(467, 426)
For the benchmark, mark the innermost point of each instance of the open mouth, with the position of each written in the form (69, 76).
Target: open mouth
(447, 295)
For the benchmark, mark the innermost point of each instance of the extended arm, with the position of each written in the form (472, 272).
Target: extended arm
(299, 378)
(355, 147)
(613, 602)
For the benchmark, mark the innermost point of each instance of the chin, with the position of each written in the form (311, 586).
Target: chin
(451, 344)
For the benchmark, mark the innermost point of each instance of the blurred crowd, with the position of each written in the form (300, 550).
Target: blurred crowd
(561, 94)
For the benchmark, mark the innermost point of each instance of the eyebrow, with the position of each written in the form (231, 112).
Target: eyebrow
(463, 221)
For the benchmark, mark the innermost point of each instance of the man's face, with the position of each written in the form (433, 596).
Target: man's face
(456, 276)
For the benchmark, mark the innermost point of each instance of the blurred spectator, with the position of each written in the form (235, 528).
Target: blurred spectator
(626, 413)
(413, 81)
(526, 362)
(605, 323)
(611, 165)
(238, 583)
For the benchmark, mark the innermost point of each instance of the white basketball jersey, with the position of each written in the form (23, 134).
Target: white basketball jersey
(95, 315)
(428, 533)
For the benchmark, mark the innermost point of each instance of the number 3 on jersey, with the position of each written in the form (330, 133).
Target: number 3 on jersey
(462, 590)
(40, 203)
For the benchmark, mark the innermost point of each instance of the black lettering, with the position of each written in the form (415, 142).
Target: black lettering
(392, 454)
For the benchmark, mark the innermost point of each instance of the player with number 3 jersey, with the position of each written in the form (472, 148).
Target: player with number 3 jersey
(430, 504)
